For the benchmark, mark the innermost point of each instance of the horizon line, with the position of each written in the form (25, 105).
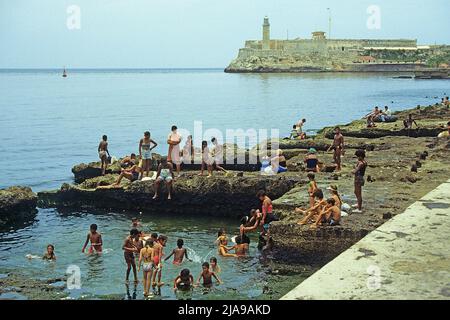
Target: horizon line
(113, 68)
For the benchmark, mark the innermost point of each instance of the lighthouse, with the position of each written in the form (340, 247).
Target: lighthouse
(266, 34)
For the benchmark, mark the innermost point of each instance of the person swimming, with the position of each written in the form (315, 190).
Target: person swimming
(184, 281)
(50, 254)
(214, 265)
(96, 240)
(241, 248)
(222, 241)
(178, 253)
(207, 276)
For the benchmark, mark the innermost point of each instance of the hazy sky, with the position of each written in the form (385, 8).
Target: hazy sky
(192, 33)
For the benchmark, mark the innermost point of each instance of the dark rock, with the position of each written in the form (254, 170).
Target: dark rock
(17, 203)
(387, 215)
(218, 195)
(312, 246)
(414, 168)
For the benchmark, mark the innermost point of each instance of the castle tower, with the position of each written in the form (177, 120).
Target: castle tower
(266, 34)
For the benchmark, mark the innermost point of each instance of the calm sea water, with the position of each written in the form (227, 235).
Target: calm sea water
(50, 123)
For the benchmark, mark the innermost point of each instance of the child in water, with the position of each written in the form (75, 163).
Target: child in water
(50, 254)
(178, 253)
(135, 223)
(241, 248)
(207, 276)
(214, 266)
(222, 242)
(184, 281)
(96, 240)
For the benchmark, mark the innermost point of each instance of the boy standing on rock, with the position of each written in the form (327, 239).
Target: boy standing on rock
(103, 153)
(338, 147)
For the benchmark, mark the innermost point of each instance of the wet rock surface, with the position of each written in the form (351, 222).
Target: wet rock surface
(17, 203)
(389, 189)
(219, 195)
(15, 285)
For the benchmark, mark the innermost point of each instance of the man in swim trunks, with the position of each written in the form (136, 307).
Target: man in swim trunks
(338, 147)
(129, 247)
(178, 253)
(157, 256)
(174, 140)
(165, 173)
(103, 153)
(96, 240)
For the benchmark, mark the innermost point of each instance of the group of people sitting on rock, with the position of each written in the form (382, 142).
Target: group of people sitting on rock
(329, 211)
(377, 115)
(134, 169)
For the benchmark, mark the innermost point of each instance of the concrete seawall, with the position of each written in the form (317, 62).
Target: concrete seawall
(408, 257)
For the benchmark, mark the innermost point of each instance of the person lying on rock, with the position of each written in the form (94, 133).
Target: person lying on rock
(278, 162)
(131, 174)
(313, 211)
(330, 215)
(164, 174)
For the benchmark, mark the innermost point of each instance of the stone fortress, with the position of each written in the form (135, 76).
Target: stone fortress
(320, 54)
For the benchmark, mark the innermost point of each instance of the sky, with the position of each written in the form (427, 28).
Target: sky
(192, 33)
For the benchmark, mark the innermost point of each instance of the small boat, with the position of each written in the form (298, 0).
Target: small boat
(64, 73)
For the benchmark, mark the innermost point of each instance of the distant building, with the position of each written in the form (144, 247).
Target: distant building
(319, 53)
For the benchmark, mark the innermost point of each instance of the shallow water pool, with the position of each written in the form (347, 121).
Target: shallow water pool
(103, 277)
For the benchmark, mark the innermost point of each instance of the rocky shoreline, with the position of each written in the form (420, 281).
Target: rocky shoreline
(401, 169)
(17, 204)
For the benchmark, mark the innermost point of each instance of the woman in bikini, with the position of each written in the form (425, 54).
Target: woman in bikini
(145, 152)
(146, 257)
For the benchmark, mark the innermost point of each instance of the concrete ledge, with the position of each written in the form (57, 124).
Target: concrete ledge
(408, 257)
